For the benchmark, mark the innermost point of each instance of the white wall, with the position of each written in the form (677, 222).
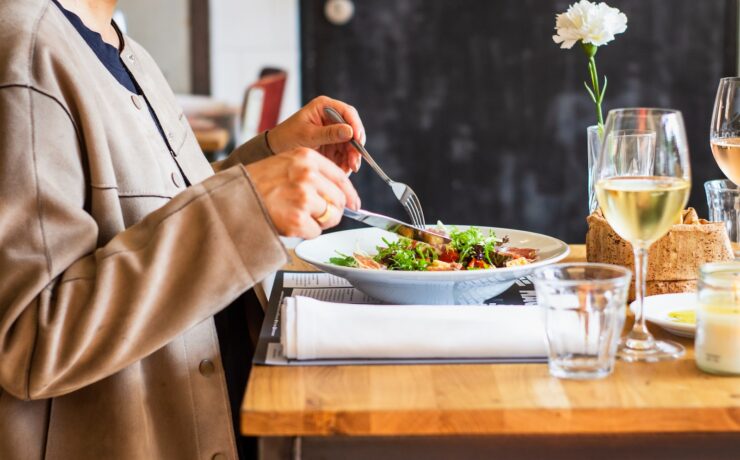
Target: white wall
(247, 35)
(163, 28)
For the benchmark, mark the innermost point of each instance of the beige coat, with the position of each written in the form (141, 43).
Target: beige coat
(111, 271)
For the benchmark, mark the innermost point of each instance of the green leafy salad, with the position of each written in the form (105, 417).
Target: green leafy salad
(469, 249)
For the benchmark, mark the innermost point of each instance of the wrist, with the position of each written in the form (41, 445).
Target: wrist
(274, 140)
(267, 142)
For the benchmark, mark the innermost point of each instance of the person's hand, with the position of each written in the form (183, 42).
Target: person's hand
(311, 128)
(303, 191)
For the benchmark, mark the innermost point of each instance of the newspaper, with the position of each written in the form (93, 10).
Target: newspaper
(330, 288)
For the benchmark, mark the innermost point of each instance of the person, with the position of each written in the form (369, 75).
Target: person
(119, 242)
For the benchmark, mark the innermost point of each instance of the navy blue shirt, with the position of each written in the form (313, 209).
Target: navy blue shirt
(110, 57)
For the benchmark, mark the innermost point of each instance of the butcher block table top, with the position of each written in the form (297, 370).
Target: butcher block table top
(396, 400)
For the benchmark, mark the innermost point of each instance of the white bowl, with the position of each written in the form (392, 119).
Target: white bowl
(427, 288)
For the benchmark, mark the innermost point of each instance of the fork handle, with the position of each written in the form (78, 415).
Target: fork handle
(337, 118)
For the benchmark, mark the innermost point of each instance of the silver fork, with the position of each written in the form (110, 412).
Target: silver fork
(403, 192)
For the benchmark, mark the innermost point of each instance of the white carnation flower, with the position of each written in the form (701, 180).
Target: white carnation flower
(590, 23)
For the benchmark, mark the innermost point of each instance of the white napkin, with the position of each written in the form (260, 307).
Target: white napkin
(312, 329)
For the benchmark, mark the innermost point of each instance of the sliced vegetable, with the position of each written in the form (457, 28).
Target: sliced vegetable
(343, 261)
(405, 254)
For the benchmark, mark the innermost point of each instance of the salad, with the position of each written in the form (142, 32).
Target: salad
(469, 249)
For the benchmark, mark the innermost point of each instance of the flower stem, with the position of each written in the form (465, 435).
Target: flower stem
(597, 94)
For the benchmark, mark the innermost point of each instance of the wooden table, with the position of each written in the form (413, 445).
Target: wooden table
(489, 399)
(212, 140)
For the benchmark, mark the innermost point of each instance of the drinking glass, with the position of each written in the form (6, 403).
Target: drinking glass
(642, 187)
(585, 305)
(724, 133)
(723, 200)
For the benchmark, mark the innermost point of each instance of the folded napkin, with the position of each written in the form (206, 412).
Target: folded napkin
(312, 329)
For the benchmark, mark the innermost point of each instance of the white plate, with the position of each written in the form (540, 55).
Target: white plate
(445, 288)
(657, 308)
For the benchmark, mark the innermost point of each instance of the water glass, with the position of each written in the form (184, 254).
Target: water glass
(643, 141)
(586, 308)
(633, 151)
(723, 199)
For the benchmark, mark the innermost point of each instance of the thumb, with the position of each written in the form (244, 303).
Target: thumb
(334, 134)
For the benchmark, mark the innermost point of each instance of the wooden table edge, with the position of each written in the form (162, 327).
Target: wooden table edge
(545, 421)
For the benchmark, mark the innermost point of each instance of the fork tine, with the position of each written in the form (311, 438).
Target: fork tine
(419, 210)
(409, 211)
(414, 209)
(412, 212)
(404, 198)
(420, 219)
(422, 224)
(412, 201)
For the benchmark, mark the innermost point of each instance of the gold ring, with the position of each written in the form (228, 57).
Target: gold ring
(328, 212)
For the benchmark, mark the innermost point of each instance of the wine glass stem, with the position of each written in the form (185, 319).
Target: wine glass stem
(735, 233)
(640, 338)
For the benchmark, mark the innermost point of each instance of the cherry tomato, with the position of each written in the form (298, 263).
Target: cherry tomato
(449, 255)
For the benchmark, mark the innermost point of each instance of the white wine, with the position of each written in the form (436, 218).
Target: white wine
(642, 209)
(727, 155)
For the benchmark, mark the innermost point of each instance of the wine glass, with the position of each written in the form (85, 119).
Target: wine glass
(724, 139)
(643, 184)
(724, 134)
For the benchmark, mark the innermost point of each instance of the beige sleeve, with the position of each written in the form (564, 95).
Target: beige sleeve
(253, 150)
(71, 313)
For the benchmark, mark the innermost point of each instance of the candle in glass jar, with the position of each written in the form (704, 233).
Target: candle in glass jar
(717, 345)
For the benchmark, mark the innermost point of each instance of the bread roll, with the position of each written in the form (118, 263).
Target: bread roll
(673, 261)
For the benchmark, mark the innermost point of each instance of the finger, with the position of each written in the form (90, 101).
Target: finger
(350, 115)
(307, 206)
(348, 159)
(338, 156)
(330, 192)
(325, 213)
(335, 174)
(309, 228)
(330, 218)
(354, 159)
(344, 160)
(338, 133)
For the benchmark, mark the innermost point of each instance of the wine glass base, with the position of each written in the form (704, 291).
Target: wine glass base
(662, 350)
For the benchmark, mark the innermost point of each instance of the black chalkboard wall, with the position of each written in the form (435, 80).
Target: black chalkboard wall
(472, 104)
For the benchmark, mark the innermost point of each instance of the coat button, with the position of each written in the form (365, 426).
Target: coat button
(219, 457)
(176, 179)
(137, 101)
(206, 368)
(130, 57)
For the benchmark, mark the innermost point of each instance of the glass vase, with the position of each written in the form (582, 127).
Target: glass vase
(594, 148)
